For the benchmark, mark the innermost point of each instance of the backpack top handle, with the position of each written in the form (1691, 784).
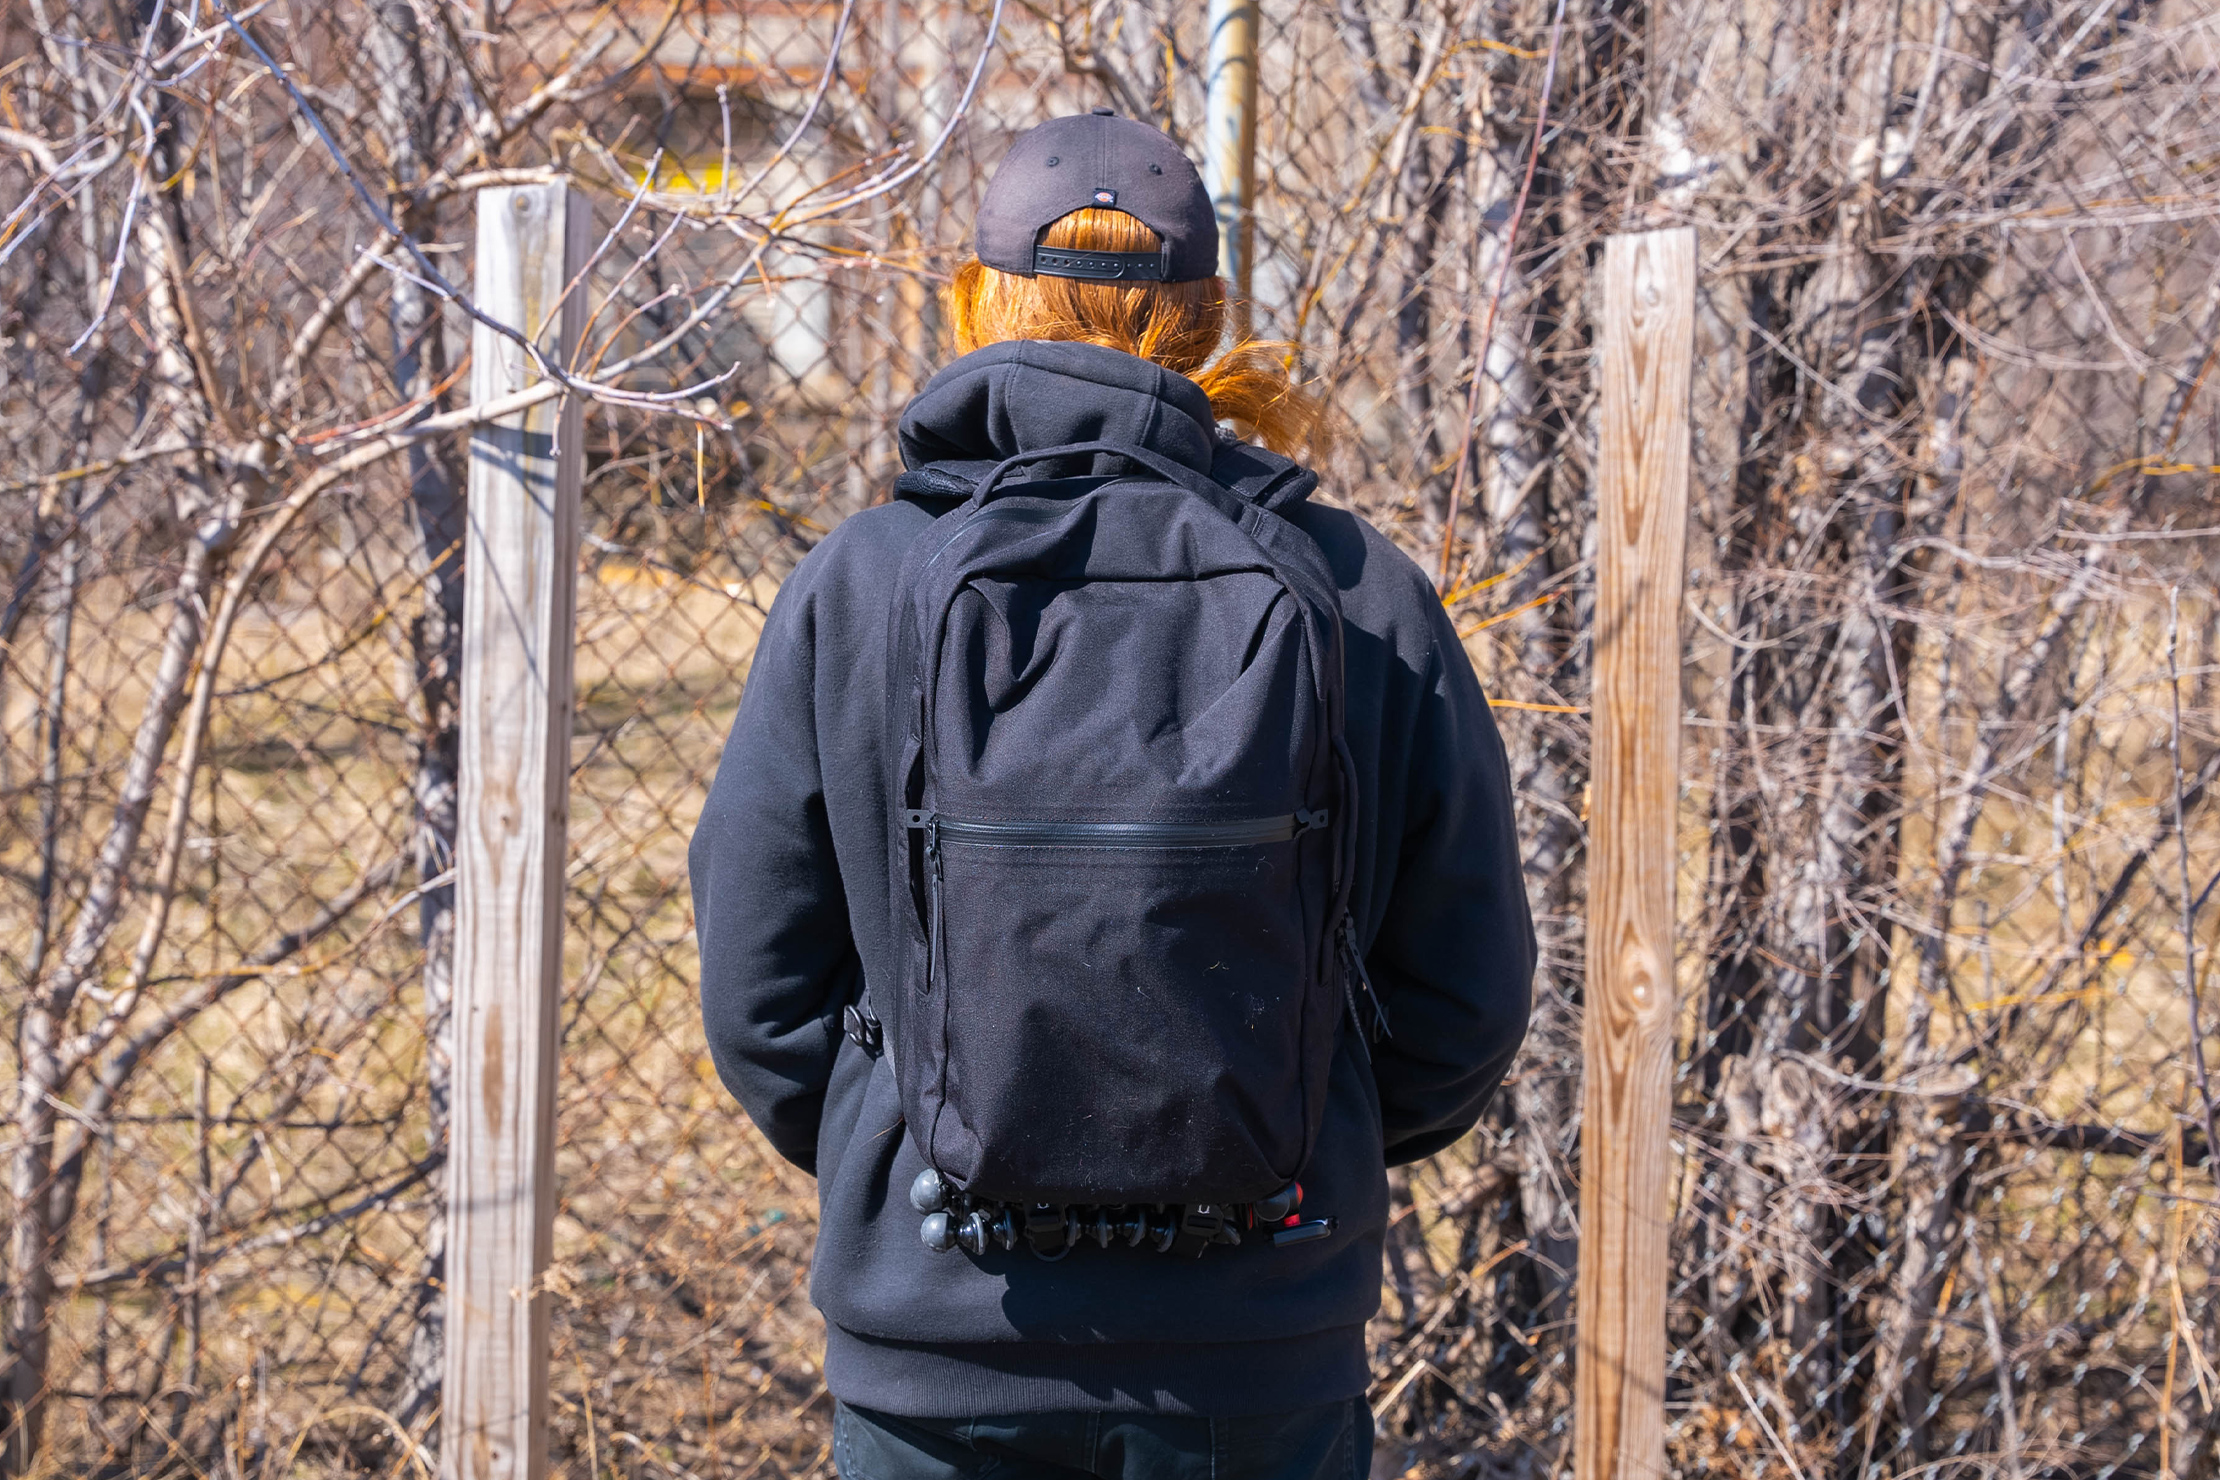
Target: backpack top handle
(1220, 497)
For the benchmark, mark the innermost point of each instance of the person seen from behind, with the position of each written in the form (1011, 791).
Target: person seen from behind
(1110, 875)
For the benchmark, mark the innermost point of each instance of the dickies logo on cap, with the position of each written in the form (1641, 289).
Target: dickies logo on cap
(1106, 197)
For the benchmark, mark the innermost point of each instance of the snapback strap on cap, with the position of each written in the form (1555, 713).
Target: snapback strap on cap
(1100, 266)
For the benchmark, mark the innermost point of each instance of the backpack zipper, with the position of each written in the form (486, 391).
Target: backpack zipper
(1246, 831)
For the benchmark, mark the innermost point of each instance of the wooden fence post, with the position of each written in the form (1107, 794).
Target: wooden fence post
(519, 601)
(1649, 316)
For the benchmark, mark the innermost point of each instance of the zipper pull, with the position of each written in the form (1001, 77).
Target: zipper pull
(1348, 992)
(936, 953)
(1377, 1029)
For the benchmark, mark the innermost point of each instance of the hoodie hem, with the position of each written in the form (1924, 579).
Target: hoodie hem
(1233, 1379)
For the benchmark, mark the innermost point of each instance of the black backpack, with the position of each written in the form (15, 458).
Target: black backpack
(1123, 841)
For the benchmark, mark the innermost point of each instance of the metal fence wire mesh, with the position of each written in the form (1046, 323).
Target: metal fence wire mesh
(1945, 1196)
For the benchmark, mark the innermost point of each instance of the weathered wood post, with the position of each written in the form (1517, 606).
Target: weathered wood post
(519, 600)
(1649, 315)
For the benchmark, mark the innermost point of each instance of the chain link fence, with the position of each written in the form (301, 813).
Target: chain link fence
(1946, 1194)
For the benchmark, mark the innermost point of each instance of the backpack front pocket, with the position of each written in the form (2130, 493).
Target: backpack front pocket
(1118, 1003)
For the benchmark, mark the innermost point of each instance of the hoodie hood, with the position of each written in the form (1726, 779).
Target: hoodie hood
(1027, 394)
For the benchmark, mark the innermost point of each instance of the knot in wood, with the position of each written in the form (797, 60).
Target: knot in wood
(1638, 971)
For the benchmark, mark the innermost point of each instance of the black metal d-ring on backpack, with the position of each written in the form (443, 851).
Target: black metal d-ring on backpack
(1123, 848)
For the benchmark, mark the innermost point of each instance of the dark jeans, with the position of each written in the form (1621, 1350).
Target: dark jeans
(1331, 1442)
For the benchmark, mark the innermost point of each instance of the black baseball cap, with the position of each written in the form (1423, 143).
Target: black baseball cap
(1097, 160)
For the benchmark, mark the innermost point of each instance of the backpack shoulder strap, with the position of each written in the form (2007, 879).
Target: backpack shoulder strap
(1202, 485)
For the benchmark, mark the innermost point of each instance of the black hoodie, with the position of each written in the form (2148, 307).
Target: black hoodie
(789, 870)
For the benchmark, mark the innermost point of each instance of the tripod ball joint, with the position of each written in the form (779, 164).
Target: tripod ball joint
(938, 1234)
(929, 1193)
(1277, 1207)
